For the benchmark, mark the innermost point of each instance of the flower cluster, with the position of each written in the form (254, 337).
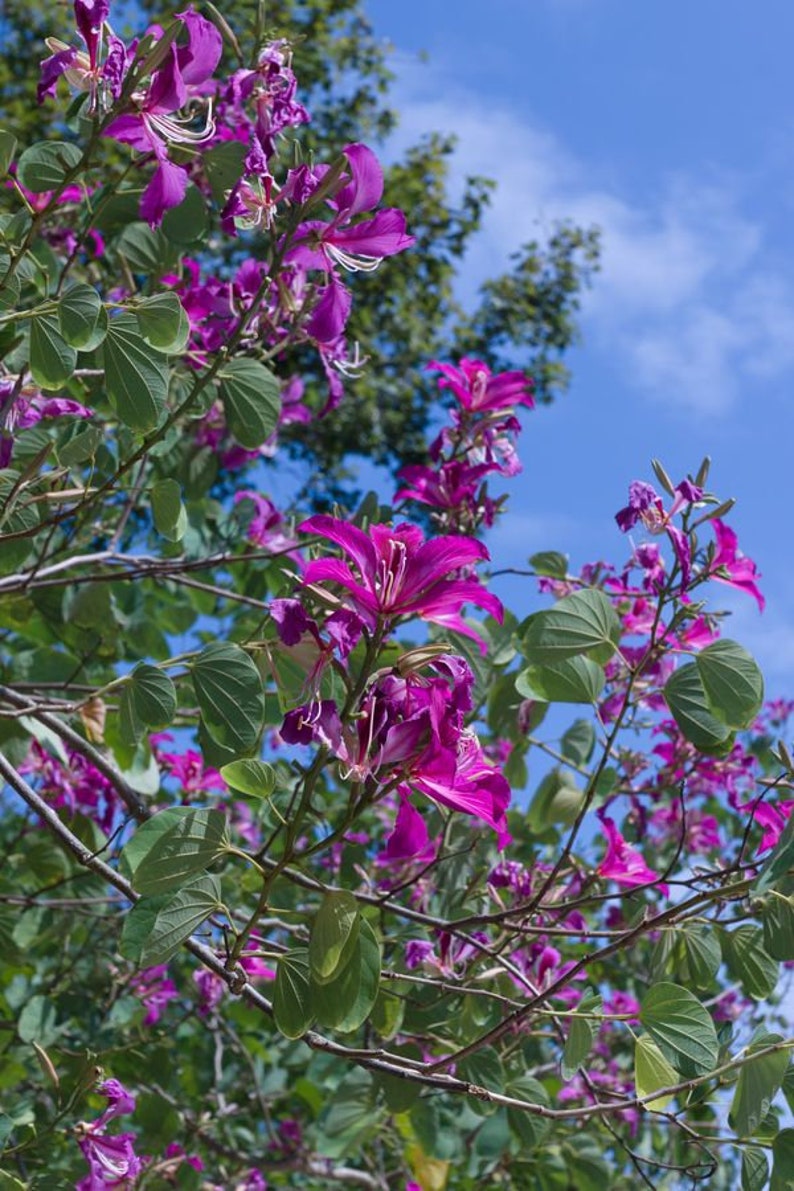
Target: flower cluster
(111, 1157)
(479, 441)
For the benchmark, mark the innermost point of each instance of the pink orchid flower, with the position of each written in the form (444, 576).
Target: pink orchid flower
(154, 122)
(400, 574)
(479, 390)
(733, 568)
(622, 863)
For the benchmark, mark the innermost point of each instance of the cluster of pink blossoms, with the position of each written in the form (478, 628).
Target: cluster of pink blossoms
(479, 442)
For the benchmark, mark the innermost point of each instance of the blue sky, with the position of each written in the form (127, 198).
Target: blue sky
(671, 126)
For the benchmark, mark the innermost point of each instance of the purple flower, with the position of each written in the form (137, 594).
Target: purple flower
(465, 781)
(733, 568)
(398, 574)
(111, 1158)
(80, 68)
(153, 123)
(622, 863)
(645, 506)
(479, 390)
(154, 990)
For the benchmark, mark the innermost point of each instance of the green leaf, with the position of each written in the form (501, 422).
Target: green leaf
(760, 1078)
(345, 1002)
(732, 681)
(138, 926)
(589, 1169)
(146, 250)
(783, 1161)
(581, 1035)
(82, 447)
(177, 917)
(188, 222)
(584, 622)
(702, 955)
(251, 398)
(529, 1128)
(556, 800)
(16, 516)
(777, 918)
(748, 962)
(163, 323)
(652, 1072)
(230, 696)
(45, 166)
(52, 359)
(292, 1009)
(550, 562)
(689, 705)
(224, 166)
(173, 845)
(755, 1169)
(79, 313)
(136, 380)
(37, 1021)
(334, 934)
(578, 742)
(153, 695)
(681, 1027)
(573, 680)
(170, 517)
(250, 777)
(8, 147)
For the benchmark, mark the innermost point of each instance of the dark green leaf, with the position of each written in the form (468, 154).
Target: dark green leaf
(689, 705)
(578, 742)
(252, 400)
(224, 167)
(188, 222)
(230, 695)
(551, 563)
(136, 380)
(748, 962)
(777, 918)
(178, 917)
(173, 845)
(163, 323)
(153, 695)
(250, 777)
(345, 1002)
(702, 955)
(573, 680)
(170, 518)
(45, 166)
(584, 622)
(292, 1009)
(732, 681)
(760, 1077)
(79, 312)
(681, 1027)
(581, 1035)
(146, 250)
(8, 147)
(334, 934)
(37, 1021)
(52, 359)
(755, 1169)
(783, 1161)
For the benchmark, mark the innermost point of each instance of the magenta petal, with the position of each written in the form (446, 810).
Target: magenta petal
(51, 70)
(167, 90)
(383, 235)
(132, 130)
(198, 59)
(366, 188)
(436, 558)
(166, 190)
(352, 540)
(330, 315)
(409, 836)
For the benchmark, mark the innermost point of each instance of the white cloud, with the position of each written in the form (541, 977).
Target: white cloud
(683, 299)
